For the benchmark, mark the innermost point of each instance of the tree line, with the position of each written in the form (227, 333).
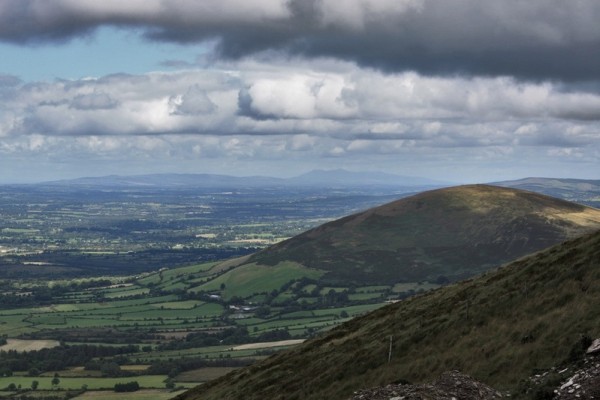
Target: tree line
(57, 358)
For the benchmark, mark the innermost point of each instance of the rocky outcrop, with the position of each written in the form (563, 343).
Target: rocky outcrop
(581, 383)
(578, 378)
(594, 348)
(451, 385)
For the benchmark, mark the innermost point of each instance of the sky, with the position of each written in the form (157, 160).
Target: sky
(454, 90)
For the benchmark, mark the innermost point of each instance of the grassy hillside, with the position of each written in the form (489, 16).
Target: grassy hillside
(450, 233)
(250, 279)
(497, 328)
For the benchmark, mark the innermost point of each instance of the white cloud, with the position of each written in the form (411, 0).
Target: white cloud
(301, 142)
(327, 81)
(337, 151)
(290, 99)
(93, 101)
(297, 110)
(194, 102)
(303, 96)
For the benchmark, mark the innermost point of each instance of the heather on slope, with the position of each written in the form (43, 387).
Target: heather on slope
(497, 328)
(440, 235)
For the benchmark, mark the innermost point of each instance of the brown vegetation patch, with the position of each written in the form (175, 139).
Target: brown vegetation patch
(28, 345)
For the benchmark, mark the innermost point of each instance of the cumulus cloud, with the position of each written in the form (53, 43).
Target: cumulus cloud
(8, 81)
(537, 39)
(194, 102)
(297, 110)
(301, 96)
(301, 142)
(120, 105)
(93, 101)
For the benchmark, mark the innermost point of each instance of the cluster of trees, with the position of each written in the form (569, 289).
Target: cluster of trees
(173, 367)
(127, 387)
(102, 335)
(229, 336)
(76, 264)
(110, 369)
(12, 387)
(233, 335)
(40, 295)
(57, 358)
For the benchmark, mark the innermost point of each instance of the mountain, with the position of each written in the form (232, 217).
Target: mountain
(173, 181)
(439, 235)
(529, 315)
(577, 190)
(316, 178)
(343, 177)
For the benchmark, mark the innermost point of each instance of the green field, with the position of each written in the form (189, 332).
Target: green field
(170, 304)
(45, 383)
(139, 395)
(150, 303)
(252, 278)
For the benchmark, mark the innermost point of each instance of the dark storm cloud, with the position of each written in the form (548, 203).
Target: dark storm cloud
(24, 22)
(536, 39)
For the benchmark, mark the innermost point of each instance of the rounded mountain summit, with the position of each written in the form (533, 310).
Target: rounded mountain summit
(438, 236)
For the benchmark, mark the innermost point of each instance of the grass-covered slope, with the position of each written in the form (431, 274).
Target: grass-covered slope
(452, 232)
(497, 328)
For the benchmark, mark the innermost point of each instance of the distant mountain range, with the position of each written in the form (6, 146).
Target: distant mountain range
(578, 190)
(531, 315)
(316, 178)
(171, 181)
(349, 178)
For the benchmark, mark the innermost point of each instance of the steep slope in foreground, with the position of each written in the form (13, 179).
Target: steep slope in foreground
(496, 328)
(453, 232)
